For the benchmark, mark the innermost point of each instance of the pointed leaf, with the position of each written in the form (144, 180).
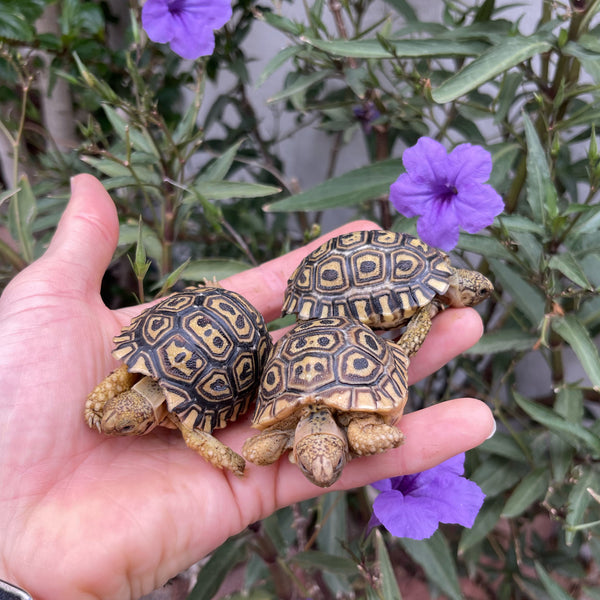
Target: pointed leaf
(402, 48)
(527, 299)
(389, 585)
(348, 189)
(491, 63)
(22, 211)
(303, 82)
(555, 592)
(215, 570)
(531, 488)
(579, 500)
(505, 340)
(207, 268)
(577, 336)
(223, 190)
(218, 169)
(276, 62)
(435, 557)
(568, 265)
(570, 432)
(314, 559)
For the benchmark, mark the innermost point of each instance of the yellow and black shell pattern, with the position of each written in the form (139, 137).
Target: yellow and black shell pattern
(334, 362)
(206, 346)
(378, 277)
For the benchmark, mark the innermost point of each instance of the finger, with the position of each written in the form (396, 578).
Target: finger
(86, 236)
(453, 331)
(264, 286)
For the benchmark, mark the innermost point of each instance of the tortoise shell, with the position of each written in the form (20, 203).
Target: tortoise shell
(336, 362)
(378, 277)
(206, 347)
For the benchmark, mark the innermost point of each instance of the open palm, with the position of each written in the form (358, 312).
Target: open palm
(87, 516)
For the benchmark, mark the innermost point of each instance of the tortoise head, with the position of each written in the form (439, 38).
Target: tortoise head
(468, 288)
(135, 411)
(320, 447)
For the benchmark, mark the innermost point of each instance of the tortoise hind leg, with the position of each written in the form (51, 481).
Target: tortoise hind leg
(368, 434)
(120, 380)
(211, 449)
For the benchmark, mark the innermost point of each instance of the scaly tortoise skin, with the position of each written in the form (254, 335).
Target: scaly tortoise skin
(385, 280)
(331, 389)
(192, 361)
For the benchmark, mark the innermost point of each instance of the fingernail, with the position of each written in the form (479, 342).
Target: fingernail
(493, 431)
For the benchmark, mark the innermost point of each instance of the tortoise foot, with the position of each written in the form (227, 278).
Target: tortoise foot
(369, 435)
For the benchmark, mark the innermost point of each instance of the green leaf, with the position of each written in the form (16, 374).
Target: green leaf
(302, 82)
(333, 531)
(137, 139)
(22, 211)
(216, 569)
(223, 190)
(389, 585)
(503, 444)
(14, 26)
(436, 559)
(349, 189)
(207, 268)
(570, 432)
(485, 522)
(529, 300)
(579, 500)
(555, 592)
(402, 48)
(538, 173)
(490, 64)
(531, 488)
(505, 340)
(497, 475)
(314, 559)
(577, 336)
(484, 246)
(218, 169)
(107, 166)
(568, 265)
(276, 62)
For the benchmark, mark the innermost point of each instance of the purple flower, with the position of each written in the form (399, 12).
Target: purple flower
(446, 191)
(185, 24)
(366, 114)
(412, 506)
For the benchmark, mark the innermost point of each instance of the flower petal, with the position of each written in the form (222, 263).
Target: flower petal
(471, 163)
(439, 226)
(191, 45)
(187, 24)
(426, 161)
(409, 198)
(402, 516)
(157, 21)
(476, 205)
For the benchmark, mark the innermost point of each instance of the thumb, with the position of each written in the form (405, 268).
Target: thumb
(86, 236)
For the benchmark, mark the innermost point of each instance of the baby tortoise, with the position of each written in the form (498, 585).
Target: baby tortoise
(385, 280)
(331, 389)
(192, 362)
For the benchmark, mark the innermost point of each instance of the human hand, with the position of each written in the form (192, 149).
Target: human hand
(86, 516)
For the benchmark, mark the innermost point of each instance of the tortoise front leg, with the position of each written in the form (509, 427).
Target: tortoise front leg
(120, 380)
(266, 447)
(210, 448)
(369, 434)
(416, 331)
